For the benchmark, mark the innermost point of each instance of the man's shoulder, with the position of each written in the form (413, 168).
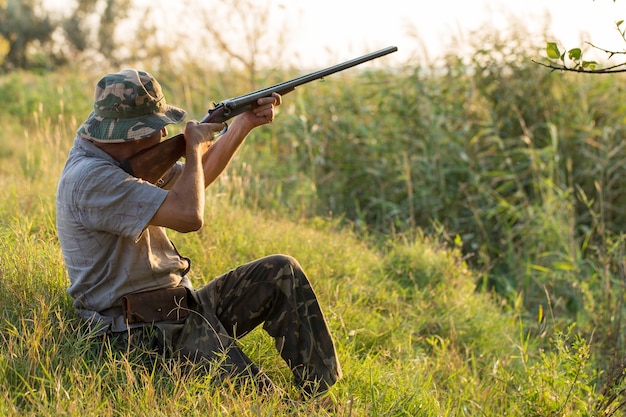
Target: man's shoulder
(83, 165)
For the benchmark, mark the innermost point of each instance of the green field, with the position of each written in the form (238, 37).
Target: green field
(462, 225)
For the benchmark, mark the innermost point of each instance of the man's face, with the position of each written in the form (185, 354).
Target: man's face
(149, 141)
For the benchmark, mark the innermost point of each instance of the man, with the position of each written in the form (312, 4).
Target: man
(126, 276)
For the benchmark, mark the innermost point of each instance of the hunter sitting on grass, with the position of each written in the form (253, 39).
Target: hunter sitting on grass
(128, 279)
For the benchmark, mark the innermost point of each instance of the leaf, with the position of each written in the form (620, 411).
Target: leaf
(553, 50)
(575, 54)
(540, 315)
(539, 268)
(563, 266)
(590, 65)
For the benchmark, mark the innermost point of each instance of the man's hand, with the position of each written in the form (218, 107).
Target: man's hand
(197, 134)
(264, 113)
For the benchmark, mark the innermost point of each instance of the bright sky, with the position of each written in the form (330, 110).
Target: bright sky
(325, 32)
(354, 27)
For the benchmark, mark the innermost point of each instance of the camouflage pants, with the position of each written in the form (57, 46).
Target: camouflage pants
(273, 291)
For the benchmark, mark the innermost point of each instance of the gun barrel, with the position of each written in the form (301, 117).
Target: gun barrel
(237, 105)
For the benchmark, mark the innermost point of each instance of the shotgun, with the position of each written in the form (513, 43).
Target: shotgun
(152, 163)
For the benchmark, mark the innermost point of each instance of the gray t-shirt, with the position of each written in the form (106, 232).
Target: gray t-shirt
(102, 216)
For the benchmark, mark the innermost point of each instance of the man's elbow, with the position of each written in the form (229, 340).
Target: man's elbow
(182, 218)
(191, 224)
(197, 225)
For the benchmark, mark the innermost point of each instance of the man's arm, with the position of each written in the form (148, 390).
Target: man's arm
(219, 155)
(183, 207)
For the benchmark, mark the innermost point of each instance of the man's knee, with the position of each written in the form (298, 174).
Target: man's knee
(281, 260)
(288, 265)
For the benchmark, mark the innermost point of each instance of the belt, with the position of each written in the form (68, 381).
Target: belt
(165, 304)
(113, 311)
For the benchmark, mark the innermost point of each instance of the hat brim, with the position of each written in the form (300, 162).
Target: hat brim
(118, 130)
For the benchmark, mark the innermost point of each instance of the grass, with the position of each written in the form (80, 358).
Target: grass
(410, 330)
(415, 334)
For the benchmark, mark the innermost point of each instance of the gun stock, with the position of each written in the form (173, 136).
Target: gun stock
(152, 163)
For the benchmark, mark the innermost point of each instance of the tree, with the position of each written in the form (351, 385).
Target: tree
(91, 26)
(242, 35)
(28, 31)
(25, 30)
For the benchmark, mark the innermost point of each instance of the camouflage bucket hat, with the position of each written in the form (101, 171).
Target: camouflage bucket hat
(128, 105)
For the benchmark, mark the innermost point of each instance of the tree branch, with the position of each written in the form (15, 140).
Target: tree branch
(608, 70)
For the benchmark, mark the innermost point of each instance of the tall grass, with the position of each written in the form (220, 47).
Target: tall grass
(461, 230)
(387, 339)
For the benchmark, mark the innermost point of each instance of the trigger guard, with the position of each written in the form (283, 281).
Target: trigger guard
(221, 132)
